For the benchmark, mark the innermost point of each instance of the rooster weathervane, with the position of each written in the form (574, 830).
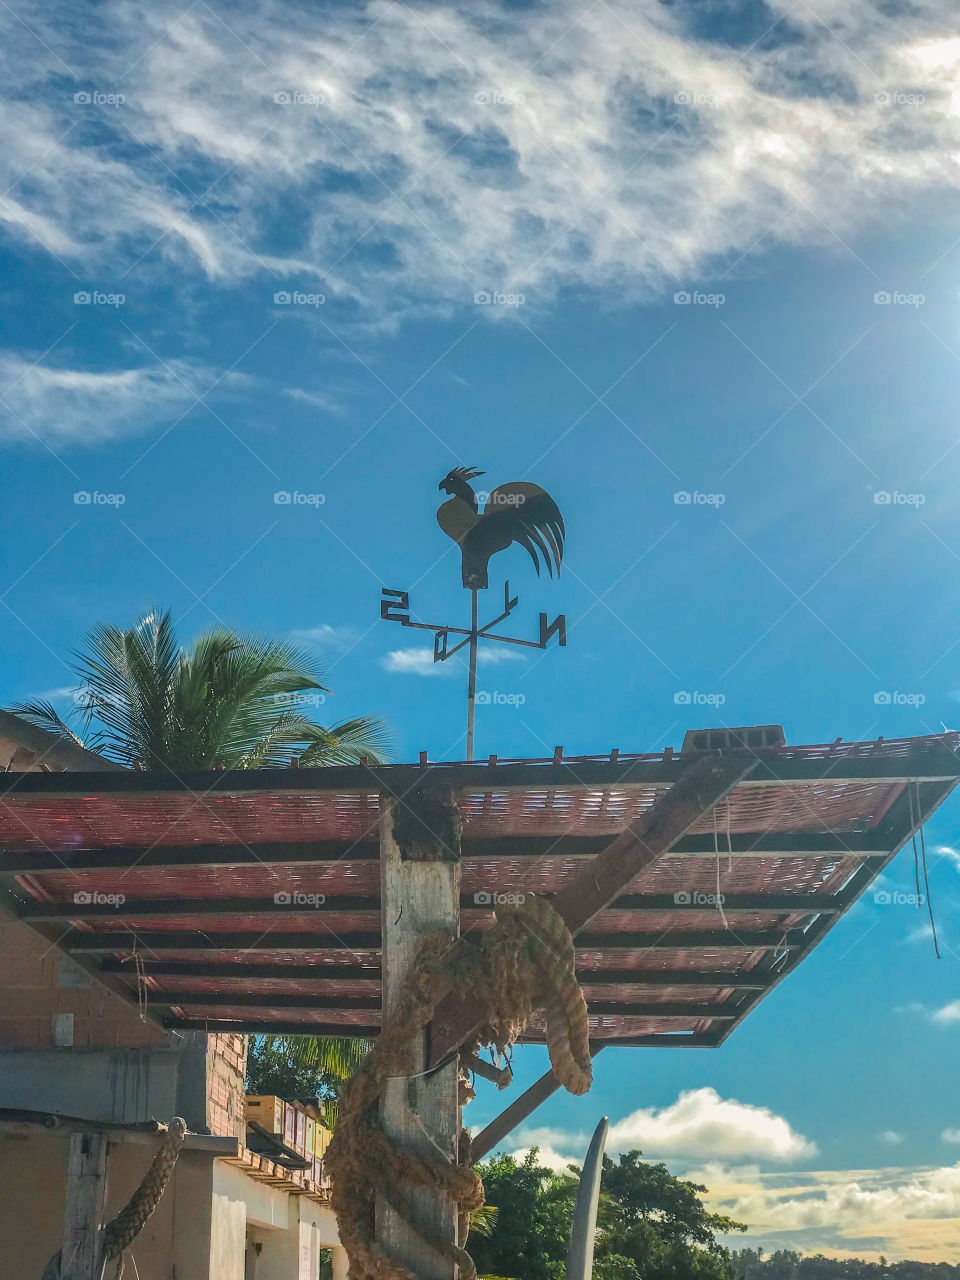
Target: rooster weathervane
(516, 512)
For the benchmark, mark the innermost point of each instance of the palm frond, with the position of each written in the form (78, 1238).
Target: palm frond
(346, 742)
(330, 1054)
(483, 1221)
(43, 715)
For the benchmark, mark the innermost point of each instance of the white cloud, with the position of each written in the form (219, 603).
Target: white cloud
(948, 1014)
(855, 1199)
(950, 1135)
(416, 662)
(431, 153)
(419, 662)
(315, 399)
(699, 1125)
(325, 636)
(891, 1137)
(63, 405)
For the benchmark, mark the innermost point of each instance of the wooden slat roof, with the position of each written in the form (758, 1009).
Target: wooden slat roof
(251, 899)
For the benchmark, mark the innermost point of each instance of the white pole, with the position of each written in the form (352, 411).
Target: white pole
(472, 678)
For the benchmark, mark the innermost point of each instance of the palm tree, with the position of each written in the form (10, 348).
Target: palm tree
(231, 701)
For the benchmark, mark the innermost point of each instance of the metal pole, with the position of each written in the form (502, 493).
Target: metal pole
(472, 679)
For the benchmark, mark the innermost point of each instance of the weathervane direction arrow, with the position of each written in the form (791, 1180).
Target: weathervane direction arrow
(516, 512)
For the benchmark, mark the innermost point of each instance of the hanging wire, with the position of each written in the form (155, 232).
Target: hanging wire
(716, 850)
(142, 989)
(923, 860)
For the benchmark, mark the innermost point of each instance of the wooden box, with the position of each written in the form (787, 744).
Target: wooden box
(266, 1110)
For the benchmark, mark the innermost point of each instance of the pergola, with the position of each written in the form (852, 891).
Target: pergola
(255, 901)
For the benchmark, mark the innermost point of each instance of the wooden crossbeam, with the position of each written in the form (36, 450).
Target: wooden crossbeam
(341, 972)
(933, 761)
(159, 941)
(704, 781)
(147, 908)
(245, 1026)
(299, 1000)
(319, 853)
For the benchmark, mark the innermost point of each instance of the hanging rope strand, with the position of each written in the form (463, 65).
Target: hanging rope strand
(926, 881)
(716, 852)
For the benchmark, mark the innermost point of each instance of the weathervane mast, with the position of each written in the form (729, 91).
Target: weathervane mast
(517, 512)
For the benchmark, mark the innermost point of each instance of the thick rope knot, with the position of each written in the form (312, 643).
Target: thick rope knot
(526, 965)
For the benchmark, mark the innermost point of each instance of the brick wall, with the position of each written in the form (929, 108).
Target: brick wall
(226, 1067)
(46, 1001)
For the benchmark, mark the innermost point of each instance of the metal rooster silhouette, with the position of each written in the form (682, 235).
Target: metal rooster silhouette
(515, 512)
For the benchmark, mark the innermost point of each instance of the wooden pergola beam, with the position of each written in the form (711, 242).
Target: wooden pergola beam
(932, 762)
(306, 1001)
(324, 973)
(319, 853)
(319, 944)
(668, 903)
(704, 781)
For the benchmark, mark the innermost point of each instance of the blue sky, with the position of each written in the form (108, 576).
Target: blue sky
(791, 171)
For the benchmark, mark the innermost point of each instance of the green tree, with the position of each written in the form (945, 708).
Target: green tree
(660, 1228)
(230, 701)
(303, 1067)
(651, 1225)
(534, 1212)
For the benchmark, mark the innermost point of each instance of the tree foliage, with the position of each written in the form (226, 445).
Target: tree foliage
(651, 1225)
(784, 1264)
(302, 1067)
(230, 701)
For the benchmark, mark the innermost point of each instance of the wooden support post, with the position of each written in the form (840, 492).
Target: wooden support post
(80, 1257)
(421, 1112)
